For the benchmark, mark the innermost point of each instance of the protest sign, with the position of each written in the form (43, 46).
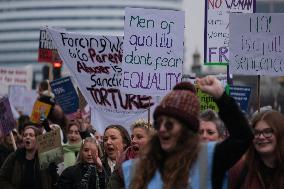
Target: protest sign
(95, 62)
(46, 51)
(207, 101)
(241, 94)
(22, 103)
(7, 122)
(15, 76)
(40, 111)
(82, 101)
(216, 41)
(65, 95)
(153, 50)
(255, 44)
(49, 148)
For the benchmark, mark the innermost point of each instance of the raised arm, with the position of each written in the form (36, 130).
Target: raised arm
(228, 152)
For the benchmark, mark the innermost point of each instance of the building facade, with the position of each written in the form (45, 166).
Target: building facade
(21, 20)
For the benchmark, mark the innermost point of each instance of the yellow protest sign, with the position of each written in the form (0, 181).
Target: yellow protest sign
(40, 109)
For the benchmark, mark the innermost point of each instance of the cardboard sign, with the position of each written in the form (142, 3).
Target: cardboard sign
(65, 95)
(257, 46)
(82, 101)
(153, 50)
(96, 64)
(40, 111)
(46, 51)
(217, 33)
(7, 122)
(241, 94)
(49, 148)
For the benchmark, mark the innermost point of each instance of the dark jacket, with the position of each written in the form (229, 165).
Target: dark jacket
(13, 169)
(116, 179)
(106, 168)
(242, 177)
(228, 152)
(73, 178)
(4, 153)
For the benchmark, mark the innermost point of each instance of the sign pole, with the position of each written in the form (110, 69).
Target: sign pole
(258, 93)
(13, 141)
(149, 112)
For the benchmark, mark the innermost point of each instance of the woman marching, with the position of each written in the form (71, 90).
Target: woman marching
(87, 173)
(175, 157)
(263, 165)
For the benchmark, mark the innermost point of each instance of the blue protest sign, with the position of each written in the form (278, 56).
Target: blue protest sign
(241, 94)
(65, 95)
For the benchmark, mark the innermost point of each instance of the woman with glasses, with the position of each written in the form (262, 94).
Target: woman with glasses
(263, 165)
(175, 157)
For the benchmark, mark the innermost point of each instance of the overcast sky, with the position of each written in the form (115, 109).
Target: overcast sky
(194, 23)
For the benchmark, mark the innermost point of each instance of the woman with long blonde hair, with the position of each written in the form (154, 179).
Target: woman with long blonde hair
(88, 171)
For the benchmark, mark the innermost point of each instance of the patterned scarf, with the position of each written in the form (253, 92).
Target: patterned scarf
(89, 173)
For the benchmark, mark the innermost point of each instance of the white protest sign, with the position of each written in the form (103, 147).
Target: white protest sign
(15, 76)
(153, 50)
(24, 102)
(216, 42)
(256, 44)
(96, 62)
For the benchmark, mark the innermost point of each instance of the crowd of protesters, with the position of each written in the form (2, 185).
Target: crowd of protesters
(182, 148)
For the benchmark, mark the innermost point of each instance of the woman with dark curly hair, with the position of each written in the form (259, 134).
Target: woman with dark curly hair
(175, 157)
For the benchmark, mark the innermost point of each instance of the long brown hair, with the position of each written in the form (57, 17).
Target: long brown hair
(174, 167)
(276, 121)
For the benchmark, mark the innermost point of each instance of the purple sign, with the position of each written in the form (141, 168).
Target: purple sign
(7, 122)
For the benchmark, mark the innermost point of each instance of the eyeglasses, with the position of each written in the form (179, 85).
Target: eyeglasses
(167, 122)
(267, 133)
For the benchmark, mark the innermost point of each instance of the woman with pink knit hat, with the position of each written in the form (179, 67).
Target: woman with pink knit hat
(175, 157)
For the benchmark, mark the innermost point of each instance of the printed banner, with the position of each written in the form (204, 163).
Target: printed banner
(216, 41)
(256, 47)
(49, 148)
(96, 64)
(241, 94)
(153, 50)
(46, 51)
(7, 122)
(65, 95)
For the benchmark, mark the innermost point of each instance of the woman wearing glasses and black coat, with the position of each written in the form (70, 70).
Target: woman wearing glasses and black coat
(175, 157)
(263, 165)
